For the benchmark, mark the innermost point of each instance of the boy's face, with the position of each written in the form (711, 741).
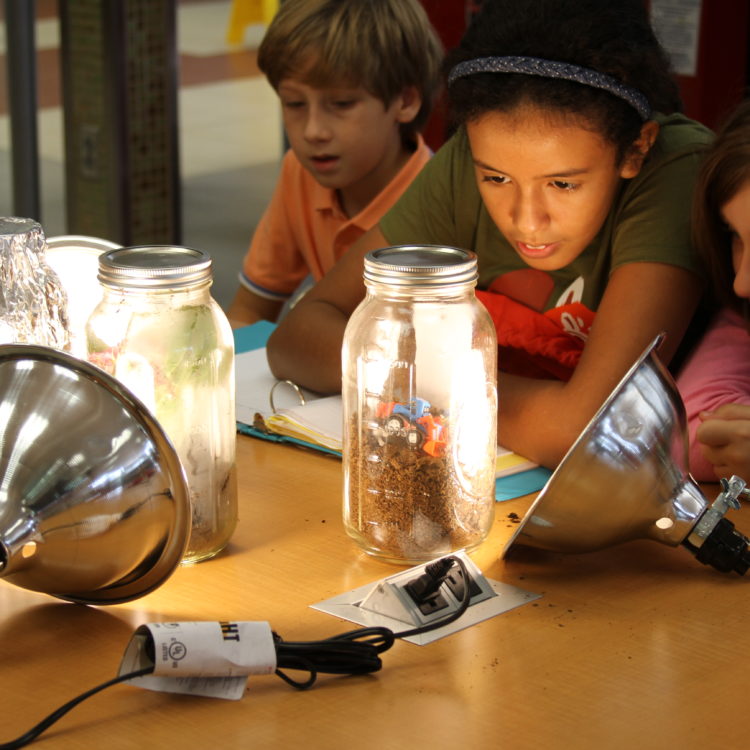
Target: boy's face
(548, 184)
(345, 137)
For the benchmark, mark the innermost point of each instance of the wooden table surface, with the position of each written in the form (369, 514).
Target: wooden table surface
(637, 646)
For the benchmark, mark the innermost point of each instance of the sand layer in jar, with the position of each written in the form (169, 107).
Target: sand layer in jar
(409, 505)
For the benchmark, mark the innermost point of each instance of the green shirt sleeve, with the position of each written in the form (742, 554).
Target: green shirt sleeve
(442, 206)
(651, 221)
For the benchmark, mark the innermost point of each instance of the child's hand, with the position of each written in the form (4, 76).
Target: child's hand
(724, 435)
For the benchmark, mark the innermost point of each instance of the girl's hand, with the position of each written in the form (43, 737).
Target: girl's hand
(724, 435)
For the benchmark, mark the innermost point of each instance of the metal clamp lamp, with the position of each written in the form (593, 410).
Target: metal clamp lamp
(94, 506)
(626, 478)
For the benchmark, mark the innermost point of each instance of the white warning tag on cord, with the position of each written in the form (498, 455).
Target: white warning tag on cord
(212, 659)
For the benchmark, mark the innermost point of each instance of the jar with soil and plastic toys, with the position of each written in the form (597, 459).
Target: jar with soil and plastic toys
(160, 333)
(419, 388)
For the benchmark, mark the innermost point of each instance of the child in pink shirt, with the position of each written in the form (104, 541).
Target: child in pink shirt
(356, 82)
(715, 382)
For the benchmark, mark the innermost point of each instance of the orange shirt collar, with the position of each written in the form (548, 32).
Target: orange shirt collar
(326, 199)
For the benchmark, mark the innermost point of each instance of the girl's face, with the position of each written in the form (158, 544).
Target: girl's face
(736, 213)
(547, 183)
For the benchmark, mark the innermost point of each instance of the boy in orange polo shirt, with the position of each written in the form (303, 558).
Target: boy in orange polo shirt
(356, 80)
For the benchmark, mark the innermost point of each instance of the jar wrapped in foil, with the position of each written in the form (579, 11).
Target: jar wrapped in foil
(33, 302)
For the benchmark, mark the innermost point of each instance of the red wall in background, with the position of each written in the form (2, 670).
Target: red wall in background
(723, 68)
(449, 17)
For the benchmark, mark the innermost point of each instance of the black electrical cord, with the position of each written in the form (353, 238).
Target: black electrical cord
(358, 651)
(46, 723)
(351, 653)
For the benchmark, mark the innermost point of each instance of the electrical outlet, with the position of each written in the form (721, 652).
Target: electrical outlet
(407, 598)
(387, 603)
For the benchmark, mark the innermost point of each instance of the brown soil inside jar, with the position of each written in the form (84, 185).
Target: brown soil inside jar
(408, 505)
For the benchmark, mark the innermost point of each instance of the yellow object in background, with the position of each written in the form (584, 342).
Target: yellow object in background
(246, 13)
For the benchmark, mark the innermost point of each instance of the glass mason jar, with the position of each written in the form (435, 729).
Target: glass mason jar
(160, 333)
(419, 391)
(33, 302)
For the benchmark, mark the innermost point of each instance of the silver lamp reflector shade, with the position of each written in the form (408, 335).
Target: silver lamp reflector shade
(94, 506)
(627, 477)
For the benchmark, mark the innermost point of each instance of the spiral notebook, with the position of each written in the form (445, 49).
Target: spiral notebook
(283, 412)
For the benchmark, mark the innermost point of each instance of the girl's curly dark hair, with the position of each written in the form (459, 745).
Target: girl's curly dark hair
(610, 36)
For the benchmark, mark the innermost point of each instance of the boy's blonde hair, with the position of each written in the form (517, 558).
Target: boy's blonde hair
(384, 46)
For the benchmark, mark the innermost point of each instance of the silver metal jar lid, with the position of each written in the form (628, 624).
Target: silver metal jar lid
(423, 265)
(154, 267)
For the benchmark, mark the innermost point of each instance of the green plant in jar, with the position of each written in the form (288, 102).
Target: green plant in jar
(160, 333)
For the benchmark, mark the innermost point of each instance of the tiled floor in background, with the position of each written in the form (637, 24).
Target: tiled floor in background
(230, 136)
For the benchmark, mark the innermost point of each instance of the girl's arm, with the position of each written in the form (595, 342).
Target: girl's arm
(541, 419)
(715, 388)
